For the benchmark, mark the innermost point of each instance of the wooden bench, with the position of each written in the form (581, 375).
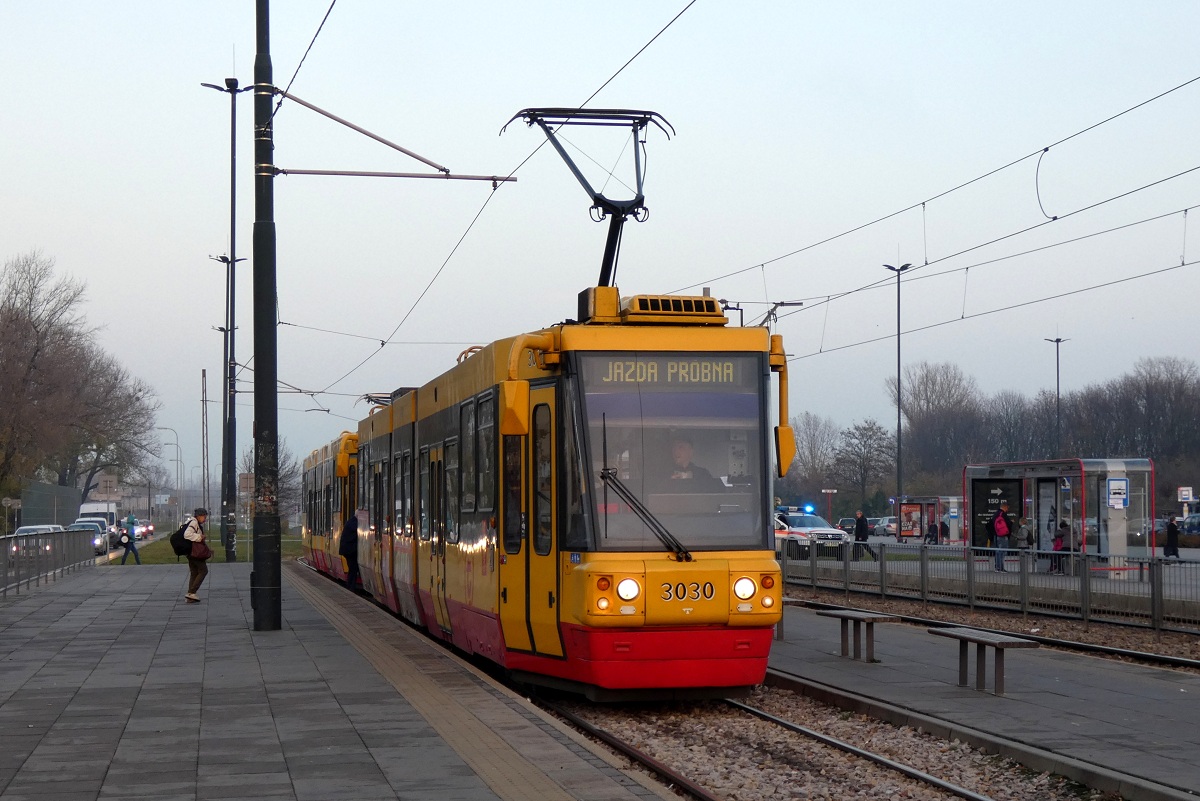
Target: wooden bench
(982, 640)
(858, 617)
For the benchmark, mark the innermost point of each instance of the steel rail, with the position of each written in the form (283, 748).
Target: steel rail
(674, 780)
(879, 759)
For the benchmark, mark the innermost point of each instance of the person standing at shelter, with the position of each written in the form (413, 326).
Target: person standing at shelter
(1025, 539)
(861, 528)
(1056, 560)
(1172, 546)
(348, 549)
(128, 535)
(1001, 526)
(197, 562)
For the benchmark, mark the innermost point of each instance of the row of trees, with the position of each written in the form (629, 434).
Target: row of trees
(68, 410)
(1152, 411)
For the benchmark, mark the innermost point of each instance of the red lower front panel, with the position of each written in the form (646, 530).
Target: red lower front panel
(661, 658)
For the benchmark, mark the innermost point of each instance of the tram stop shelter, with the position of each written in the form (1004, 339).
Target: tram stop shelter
(916, 512)
(1108, 503)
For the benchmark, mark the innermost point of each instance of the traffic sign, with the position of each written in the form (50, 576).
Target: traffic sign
(1185, 495)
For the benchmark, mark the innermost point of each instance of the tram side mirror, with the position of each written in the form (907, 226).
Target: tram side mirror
(514, 408)
(342, 465)
(785, 448)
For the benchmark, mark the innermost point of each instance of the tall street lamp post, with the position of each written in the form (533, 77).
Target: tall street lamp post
(899, 406)
(229, 425)
(1057, 397)
(178, 466)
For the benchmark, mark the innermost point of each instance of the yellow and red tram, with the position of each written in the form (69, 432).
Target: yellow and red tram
(586, 505)
(329, 488)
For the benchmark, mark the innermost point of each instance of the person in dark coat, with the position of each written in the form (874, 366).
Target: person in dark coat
(1172, 546)
(348, 548)
(1001, 528)
(861, 528)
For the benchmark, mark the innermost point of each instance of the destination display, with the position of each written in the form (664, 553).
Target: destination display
(673, 369)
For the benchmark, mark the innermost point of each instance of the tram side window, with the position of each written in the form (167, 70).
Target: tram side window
(574, 535)
(326, 506)
(404, 493)
(468, 457)
(364, 484)
(424, 499)
(485, 455)
(378, 516)
(543, 477)
(514, 520)
(451, 475)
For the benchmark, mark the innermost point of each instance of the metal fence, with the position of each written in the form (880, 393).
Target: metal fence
(1153, 592)
(31, 559)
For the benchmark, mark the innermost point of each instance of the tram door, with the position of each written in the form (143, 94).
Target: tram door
(434, 494)
(542, 553)
(513, 577)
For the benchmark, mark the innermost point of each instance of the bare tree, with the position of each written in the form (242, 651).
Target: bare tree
(816, 440)
(1010, 432)
(945, 419)
(866, 454)
(290, 473)
(43, 345)
(113, 426)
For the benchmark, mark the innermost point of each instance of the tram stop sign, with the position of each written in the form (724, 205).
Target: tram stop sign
(1185, 495)
(1118, 493)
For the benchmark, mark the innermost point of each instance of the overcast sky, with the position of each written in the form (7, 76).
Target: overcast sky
(794, 123)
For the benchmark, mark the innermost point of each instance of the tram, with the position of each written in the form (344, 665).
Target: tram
(586, 505)
(330, 488)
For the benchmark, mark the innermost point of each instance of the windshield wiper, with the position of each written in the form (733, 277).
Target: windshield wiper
(609, 476)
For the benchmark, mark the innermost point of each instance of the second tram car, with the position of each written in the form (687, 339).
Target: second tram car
(586, 505)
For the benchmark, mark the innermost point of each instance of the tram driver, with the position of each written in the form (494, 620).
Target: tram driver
(685, 474)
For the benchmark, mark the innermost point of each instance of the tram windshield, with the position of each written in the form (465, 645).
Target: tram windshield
(681, 431)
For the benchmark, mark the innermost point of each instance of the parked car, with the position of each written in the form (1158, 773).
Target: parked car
(846, 524)
(1189, 524)
(800, 530)
(99, 539)
(22, 543)
(886, 527)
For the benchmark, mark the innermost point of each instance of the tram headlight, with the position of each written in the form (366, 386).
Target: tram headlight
(744, 588)
(627, 589)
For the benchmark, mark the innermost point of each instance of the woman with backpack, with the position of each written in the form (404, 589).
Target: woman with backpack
(198, 558)
(1002, 528)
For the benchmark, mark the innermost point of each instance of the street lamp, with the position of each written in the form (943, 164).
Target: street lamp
(228, 417)
(1057, 397)
(899, 467)
(178, 466)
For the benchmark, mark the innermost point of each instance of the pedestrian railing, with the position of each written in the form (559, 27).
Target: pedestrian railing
(1148, 591)
(32, 559)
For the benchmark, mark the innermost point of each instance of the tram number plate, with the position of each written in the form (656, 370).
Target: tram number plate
(688, 591)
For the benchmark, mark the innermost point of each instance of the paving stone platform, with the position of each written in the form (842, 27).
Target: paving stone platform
(112, 688)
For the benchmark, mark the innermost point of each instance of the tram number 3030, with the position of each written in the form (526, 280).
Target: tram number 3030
(693, 591)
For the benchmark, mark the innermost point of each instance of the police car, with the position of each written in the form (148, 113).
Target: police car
(800, 529)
